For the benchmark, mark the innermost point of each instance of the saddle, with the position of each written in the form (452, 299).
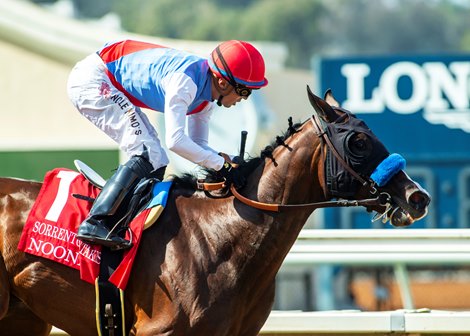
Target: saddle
(142, 196)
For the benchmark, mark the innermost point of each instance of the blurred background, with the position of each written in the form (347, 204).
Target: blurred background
(401, 65)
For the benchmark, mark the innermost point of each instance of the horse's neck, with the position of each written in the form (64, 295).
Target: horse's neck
(293, 178)
(237, 247)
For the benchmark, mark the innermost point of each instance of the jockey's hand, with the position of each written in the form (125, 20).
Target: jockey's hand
(228, 159)
(232, 175)
(236, 160)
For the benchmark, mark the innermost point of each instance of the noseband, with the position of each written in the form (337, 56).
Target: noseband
(381, 199)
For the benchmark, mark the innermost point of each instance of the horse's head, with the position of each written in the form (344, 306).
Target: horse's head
(357, 165)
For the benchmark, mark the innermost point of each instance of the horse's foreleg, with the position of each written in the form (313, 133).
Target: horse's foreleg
(15, 317)
(4, 290)
(21, 321)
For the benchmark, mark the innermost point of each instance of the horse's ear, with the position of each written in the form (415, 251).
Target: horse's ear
(323, 109)
(330, 99)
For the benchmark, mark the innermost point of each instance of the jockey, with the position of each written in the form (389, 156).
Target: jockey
(111, 86)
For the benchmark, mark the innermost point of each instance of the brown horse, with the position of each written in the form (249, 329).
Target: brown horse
(208, 267)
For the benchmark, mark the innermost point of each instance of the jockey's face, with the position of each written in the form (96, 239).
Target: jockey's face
(222, 88)
(232, 98)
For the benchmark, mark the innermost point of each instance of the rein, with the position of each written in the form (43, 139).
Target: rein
(381, 199)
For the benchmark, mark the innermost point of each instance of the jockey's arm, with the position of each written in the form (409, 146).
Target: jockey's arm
(180, 92)
(198, 129)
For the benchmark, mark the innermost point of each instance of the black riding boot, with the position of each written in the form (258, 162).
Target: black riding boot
(96, 227)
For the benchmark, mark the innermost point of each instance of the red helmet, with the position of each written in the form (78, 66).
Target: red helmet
(239, 62)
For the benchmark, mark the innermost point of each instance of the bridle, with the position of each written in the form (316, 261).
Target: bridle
(325, 139)
(382, 199)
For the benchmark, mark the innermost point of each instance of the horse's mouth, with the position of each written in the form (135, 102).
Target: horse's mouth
(397, 216)
(400, 217)
(403, 212)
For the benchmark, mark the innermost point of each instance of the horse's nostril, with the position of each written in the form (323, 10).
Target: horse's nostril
(419, 200)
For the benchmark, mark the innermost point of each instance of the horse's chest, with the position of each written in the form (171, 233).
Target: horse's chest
(217, 321)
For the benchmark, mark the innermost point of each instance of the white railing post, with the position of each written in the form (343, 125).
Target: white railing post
(403, 281)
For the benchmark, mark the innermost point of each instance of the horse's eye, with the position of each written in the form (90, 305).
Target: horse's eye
(359, 145)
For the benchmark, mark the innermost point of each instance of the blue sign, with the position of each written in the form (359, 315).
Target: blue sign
(419, 106)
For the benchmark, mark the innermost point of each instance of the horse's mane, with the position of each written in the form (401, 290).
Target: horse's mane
(189, 181)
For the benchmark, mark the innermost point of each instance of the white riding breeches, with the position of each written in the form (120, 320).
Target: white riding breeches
(96, 98)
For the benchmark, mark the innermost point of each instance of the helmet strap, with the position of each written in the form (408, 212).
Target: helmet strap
(222, 92)
(229, 78)
(219, 100)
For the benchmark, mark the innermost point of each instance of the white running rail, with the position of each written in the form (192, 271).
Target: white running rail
(399, 322)
(375, 247)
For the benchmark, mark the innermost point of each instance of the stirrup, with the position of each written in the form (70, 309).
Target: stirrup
(123, 245)
(126, 244)
(107, 241)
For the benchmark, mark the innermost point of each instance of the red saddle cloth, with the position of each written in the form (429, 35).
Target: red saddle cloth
(51, 227)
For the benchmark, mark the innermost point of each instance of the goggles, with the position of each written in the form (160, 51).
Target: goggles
(242, 90)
